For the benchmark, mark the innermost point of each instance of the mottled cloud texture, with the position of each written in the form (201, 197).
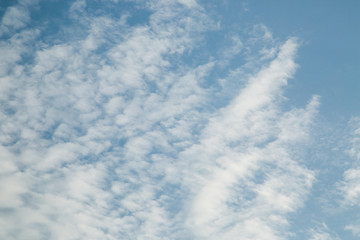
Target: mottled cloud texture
(116, 130)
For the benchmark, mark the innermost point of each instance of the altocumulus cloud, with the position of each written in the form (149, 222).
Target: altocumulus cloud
(112, 129)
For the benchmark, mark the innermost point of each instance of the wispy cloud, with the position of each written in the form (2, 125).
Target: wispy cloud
(16, 17)
(319, 234)
(349, 186)
(109, 133)
(246, 178)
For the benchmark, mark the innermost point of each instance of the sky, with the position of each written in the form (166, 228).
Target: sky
(179, 120)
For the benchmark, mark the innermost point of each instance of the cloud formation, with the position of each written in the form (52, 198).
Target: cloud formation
(349, 186)
(109, 129)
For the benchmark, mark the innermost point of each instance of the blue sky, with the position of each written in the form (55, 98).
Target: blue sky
(179, 120)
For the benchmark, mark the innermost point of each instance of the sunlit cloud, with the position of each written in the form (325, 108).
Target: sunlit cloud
(114, 127)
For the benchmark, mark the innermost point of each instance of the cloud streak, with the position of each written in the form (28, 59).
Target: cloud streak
(245, 155)
(349, 186)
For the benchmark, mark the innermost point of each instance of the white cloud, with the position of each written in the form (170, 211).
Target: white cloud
(108, 134)
(235, 48)
(349, 187)
(246, 179)
(322, 233)
(16, 17)
(355, 229)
